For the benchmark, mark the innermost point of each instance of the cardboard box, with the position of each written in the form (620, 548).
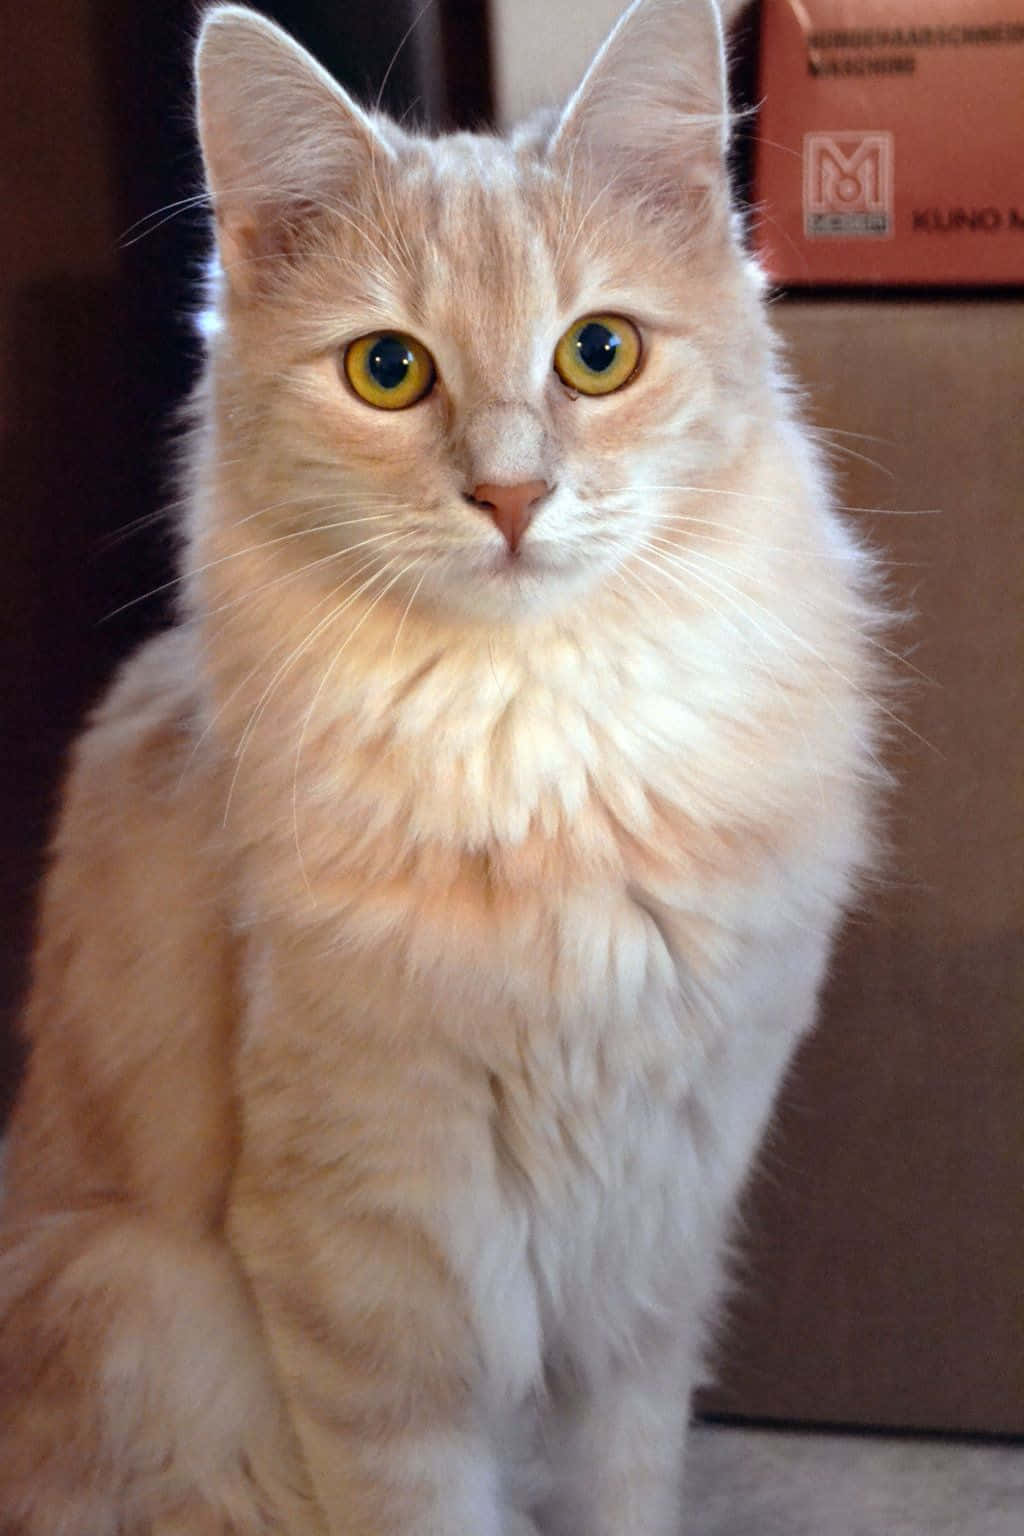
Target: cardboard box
(890, 143)
(881, 1266)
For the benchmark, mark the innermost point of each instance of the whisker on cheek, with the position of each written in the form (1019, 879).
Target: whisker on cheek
(265, 697)
(353, 632)
(785, 637)
(288, 577)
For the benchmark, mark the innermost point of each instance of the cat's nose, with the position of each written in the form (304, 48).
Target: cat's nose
(510, 507)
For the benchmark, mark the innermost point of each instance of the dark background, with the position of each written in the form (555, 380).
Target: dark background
(99, 271)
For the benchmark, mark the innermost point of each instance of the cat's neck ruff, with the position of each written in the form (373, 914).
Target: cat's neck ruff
(580, 743)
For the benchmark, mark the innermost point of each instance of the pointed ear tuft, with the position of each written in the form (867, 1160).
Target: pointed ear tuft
(280, 139)
(652, 110)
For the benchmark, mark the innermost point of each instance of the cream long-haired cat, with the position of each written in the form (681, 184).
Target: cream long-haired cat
(435, 909)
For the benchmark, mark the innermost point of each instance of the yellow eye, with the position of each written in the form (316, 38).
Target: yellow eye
(598, 354)
(389, 370)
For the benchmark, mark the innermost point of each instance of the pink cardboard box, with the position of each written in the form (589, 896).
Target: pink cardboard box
(890, 142)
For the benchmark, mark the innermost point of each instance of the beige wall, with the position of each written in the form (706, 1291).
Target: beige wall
(541, 49)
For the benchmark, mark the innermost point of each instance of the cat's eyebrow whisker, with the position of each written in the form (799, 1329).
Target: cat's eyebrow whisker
(562, 254)
(203, 198)
(274, 192)
(593, 234)
(152, 221)
(341, 263)
(395, 271)
(320, 688)
(336, 209)
(398, 242)
(410, 29)
(558, 252)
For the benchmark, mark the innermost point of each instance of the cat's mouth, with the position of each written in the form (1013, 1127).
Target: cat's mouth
(524, 563)
(532, 560)
(516, 562)
(495, 581)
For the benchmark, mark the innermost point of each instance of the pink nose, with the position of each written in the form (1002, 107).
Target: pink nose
(510, 507)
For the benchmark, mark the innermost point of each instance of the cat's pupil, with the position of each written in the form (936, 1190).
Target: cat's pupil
(597, 346)
(388, 361)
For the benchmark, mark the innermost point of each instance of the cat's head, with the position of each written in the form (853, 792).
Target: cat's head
(475, 368)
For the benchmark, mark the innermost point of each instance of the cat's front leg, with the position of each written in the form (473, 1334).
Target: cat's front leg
(617, 1449)
(136, 1397)
(380, 1364)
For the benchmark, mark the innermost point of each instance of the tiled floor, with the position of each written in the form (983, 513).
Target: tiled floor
(746, 1482)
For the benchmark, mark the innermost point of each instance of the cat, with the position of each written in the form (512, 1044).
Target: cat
(435, 908)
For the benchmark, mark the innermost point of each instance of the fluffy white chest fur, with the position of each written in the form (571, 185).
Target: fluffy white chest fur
(602, 1041)
(573, 1149)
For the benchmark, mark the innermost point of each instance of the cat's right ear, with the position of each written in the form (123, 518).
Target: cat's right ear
(652, 111)
(280, 139)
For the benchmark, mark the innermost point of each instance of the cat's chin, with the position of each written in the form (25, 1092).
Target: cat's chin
(497, 586)
(526, 565)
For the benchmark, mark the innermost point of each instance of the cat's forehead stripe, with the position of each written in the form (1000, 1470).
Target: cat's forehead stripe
(485, 262)
(493, 207)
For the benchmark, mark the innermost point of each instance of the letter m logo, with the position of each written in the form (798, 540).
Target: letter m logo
(848, 183)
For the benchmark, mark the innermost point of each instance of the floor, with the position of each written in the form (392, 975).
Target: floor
(754, 1482)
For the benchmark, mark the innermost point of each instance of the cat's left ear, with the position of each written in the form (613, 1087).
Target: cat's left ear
(281, 140)
(653, 107)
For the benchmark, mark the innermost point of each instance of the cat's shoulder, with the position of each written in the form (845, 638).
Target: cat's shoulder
(148, 722)
(139, 769)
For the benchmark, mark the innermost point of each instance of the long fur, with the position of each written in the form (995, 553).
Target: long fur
(428, 931)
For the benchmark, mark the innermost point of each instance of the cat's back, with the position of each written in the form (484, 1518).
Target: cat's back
(129, 1012)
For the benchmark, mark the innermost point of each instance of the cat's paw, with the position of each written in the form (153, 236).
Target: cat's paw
(136, 1397)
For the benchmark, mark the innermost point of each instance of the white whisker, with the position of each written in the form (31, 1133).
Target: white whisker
(235, 554)
(320, 688)
(406, 610)
(731, 595)
(795, 598)
(289, 661)
(287, 577)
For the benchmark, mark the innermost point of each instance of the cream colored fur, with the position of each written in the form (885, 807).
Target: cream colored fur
(428, 931)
